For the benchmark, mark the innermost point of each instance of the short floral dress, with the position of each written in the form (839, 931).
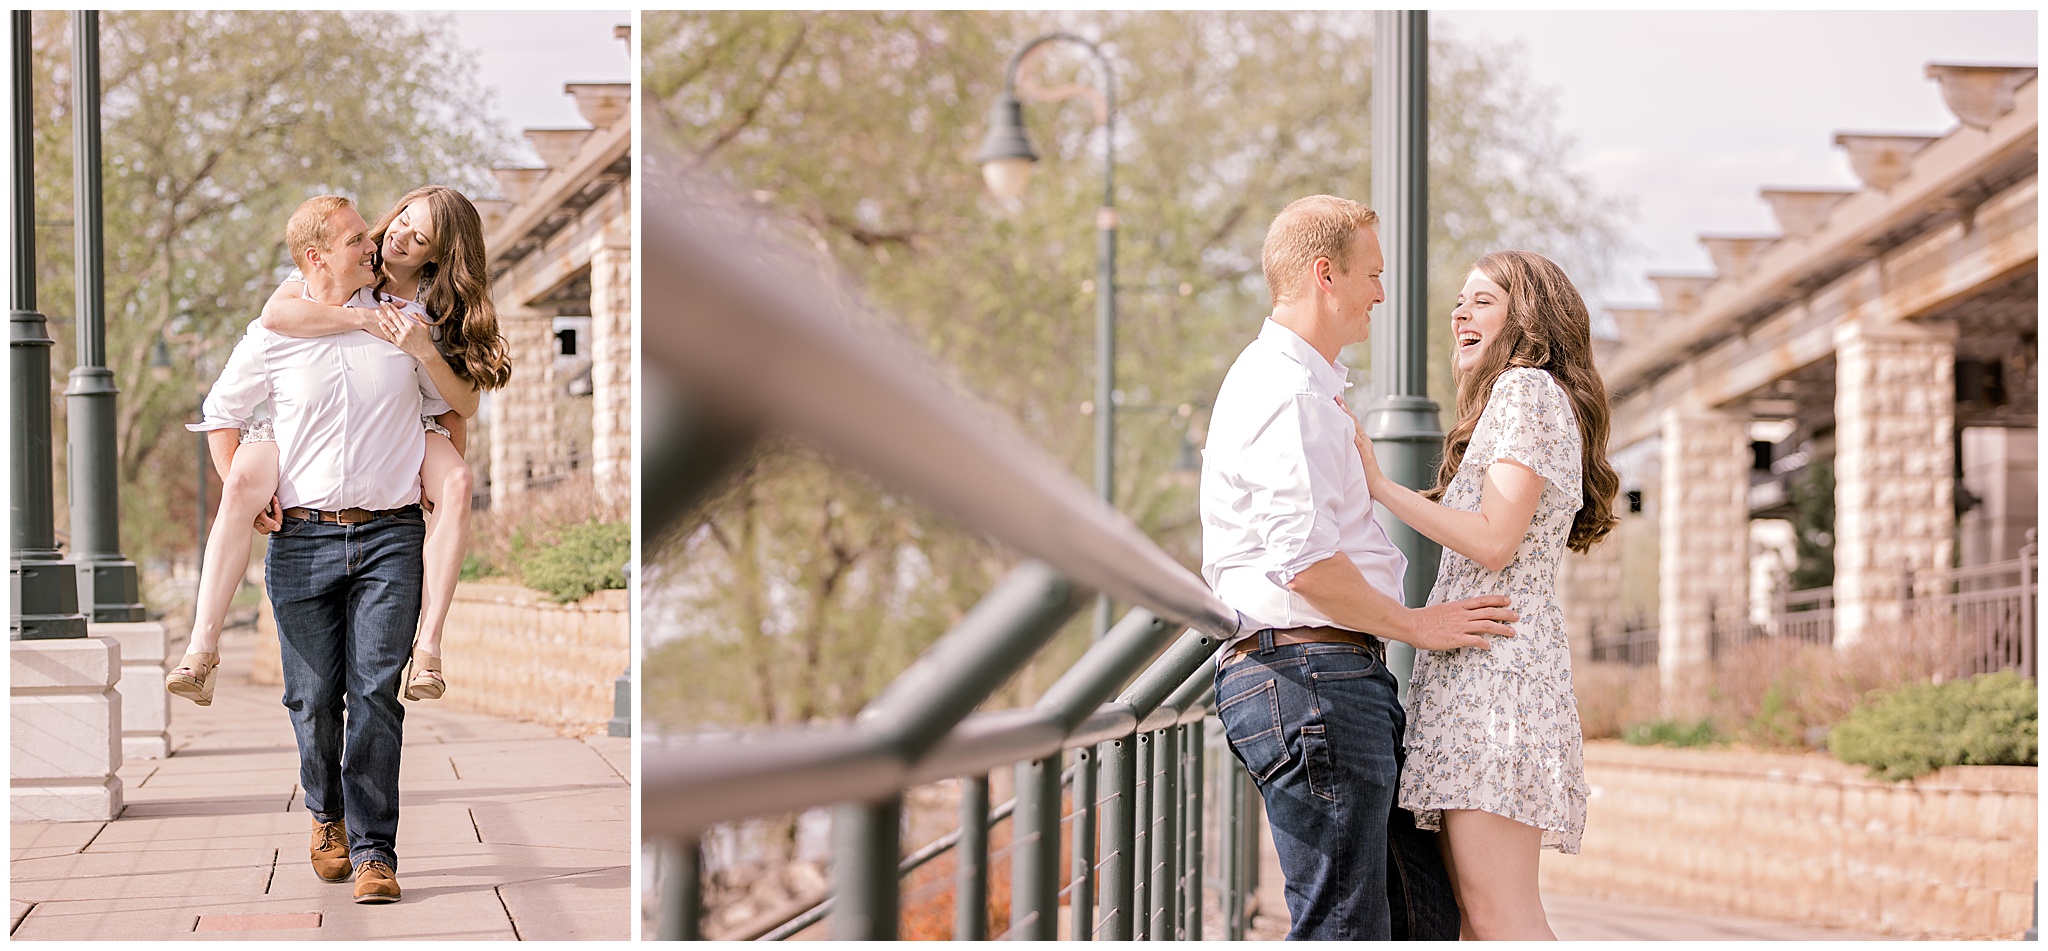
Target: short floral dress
(1498, 730)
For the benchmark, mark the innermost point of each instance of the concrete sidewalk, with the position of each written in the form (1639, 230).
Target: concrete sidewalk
(508, 831)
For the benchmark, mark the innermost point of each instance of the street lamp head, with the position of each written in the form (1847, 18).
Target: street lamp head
(1006, 154)
(160, 361)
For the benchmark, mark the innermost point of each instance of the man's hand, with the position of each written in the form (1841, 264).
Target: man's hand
(271, 518)
(1468, 623)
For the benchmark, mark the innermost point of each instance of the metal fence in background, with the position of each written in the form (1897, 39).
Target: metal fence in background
(743, 339)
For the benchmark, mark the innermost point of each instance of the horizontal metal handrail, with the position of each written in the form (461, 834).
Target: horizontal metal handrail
(746, 339)
(739, 338)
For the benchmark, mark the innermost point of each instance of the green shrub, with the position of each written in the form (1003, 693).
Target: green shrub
(1989, 720)
(476, 567)
(587, 557)
(1672, 733)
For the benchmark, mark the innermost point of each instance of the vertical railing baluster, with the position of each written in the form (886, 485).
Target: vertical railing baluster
(1119, 780)
(1191, 895)
(1035, 852)
(679, 911)
(1081, 920)
(1141, 848)
(1233, 871)
(970, 888)
(868, 844)
(1165, 762)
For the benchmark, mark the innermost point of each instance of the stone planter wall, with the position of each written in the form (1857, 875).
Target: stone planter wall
(1807, 838)
(509, 651)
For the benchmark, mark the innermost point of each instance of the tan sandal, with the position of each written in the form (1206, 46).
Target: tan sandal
(194, 676)
(423, 678)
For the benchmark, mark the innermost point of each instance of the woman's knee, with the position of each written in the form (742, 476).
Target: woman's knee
(245, 488)
(457, 483)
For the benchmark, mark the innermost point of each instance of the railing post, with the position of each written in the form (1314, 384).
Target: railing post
(1081, 918)
(1119, 779)
(1035, 852)
(970, 889)
(1141, 847)
(679, 914)
(868, 844)
(1191, 899)
(1233, 869)
(1164, 867)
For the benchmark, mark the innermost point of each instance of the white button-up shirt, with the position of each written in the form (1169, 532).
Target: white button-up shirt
(1282, 487)
(346, 408)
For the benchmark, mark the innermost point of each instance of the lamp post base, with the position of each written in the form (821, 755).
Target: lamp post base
(46, 595)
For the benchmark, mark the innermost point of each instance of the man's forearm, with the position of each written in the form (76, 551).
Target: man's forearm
(1335, 588)
(221, 445)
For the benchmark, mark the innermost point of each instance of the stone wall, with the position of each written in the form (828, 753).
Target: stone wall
(1703, 534)
(611, 374)
(1807, 838)
(509, 651)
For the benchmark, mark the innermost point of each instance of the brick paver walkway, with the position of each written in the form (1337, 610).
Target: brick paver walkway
(508, 831)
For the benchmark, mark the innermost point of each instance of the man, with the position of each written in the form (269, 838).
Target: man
(1289, 540)
(344, 564)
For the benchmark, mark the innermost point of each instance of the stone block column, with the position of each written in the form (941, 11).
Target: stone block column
(523, 443)
(66, 729)
(1703, 543)
(1894, 465)
(145, 704)
(611, 373)
(1589, 590)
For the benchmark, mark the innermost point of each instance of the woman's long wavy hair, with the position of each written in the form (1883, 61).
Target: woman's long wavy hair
(455, 287)
(1547, 328)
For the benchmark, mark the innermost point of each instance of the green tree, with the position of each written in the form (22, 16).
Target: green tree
(859, 128)
(215, 125)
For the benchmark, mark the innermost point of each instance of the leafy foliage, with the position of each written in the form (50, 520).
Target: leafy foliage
(1813, 540)
(859, 128)
(1988, 720)
(581, 559)
(1672, 733)
(215, 125)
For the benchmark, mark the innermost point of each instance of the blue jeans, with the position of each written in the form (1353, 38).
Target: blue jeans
(1319, 727)
(347, 599)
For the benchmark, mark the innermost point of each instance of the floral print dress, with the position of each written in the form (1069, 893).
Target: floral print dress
(1498, 730)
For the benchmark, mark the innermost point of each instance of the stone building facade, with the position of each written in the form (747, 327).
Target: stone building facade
(1890, 330)
(560, 246)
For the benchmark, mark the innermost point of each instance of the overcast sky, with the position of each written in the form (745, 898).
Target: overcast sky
(1688, 114)
(524, 58)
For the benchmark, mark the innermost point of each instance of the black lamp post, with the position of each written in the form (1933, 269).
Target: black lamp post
(45, 584)
(1006, 161)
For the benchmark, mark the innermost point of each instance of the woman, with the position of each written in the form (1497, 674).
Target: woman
(431, 246)
(1494, 754)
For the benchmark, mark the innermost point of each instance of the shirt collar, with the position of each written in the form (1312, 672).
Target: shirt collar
(1328, 378)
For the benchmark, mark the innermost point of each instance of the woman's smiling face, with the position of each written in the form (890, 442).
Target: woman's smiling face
(409, 241)
(1481, 314)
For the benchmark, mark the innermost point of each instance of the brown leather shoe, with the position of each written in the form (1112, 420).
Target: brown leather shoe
(330, 851)
(375, 883)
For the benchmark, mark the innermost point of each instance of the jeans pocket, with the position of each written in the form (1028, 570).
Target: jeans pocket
(290, 527)
(1252, 722)
(1315, 761)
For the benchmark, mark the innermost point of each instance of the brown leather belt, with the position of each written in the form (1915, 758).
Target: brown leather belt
(349, 516)
(1283, 636)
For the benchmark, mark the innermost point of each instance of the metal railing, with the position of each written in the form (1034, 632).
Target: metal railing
(1990, 610)
(741, 344)
(1634, 643)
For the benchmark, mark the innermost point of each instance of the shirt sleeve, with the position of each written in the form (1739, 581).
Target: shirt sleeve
(1295, 469)
(243, 386)
(1532, 423)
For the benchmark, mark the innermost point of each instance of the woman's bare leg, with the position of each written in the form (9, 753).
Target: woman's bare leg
(1443, 845)
(446, 481)
(247, 489)
(1495, 872)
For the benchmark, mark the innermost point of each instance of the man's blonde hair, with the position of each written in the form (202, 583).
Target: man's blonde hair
(1319, 226)
(308, 227)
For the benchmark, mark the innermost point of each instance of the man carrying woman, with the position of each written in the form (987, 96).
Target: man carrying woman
(335, 468)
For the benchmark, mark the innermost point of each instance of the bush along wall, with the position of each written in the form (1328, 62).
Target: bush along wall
(1988, 720)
